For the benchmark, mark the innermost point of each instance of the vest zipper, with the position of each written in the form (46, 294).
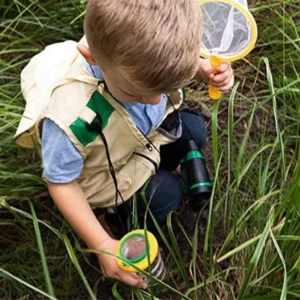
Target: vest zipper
(148, 158)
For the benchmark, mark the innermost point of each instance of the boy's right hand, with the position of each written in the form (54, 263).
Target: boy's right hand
(110, 268)
(69, 195)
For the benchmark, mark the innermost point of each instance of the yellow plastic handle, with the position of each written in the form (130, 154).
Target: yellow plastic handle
(213, 91)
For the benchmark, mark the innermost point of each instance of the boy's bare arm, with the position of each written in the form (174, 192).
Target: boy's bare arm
(72, 203)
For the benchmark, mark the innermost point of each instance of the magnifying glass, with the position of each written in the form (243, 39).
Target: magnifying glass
(229, 33)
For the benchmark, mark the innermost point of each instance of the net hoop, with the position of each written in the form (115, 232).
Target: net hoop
(253, 27)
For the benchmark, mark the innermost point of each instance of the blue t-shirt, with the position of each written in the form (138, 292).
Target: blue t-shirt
(62, 161)
(145, 116)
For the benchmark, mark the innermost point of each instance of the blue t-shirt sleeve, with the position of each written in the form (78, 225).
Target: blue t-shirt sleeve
(61, 160)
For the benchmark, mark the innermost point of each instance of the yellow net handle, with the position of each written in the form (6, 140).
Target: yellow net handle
(213, 91)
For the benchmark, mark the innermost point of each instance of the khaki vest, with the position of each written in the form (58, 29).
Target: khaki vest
(73, 99)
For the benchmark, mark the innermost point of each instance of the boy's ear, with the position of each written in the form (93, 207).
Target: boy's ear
(87, 54)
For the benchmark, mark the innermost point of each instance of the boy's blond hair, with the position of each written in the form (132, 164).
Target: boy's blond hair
(154, 44)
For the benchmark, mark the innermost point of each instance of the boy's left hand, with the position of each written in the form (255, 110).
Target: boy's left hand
(221, 77)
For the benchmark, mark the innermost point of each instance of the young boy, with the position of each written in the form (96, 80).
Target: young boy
(112, 111)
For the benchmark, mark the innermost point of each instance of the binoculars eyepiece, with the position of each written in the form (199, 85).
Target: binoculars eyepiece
(196, 177)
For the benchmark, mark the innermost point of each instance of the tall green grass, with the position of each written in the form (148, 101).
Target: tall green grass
(247, 246)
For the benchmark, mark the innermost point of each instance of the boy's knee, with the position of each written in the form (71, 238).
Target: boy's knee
(194, 126)
(201, 136)
(167, 197)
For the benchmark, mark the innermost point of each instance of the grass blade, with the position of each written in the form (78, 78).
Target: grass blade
(8, 274)
(279, 136)
(77, 266)
(284, 287)
(42, 252)
(214, 122)
(115, 292)
(256, 256)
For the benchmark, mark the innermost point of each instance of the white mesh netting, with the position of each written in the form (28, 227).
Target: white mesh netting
(226, 30)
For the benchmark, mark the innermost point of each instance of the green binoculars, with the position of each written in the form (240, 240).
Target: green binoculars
(196, 177)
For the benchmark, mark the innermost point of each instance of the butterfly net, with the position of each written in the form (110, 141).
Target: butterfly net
(226, 30)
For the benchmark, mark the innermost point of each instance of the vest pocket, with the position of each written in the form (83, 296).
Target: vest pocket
(148, 158)
(100, 190)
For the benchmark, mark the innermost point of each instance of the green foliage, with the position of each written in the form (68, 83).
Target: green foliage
(248, 244)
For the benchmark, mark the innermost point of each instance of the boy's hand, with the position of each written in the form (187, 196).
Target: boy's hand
(69, 195)
(222, 77)
(110, 268)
